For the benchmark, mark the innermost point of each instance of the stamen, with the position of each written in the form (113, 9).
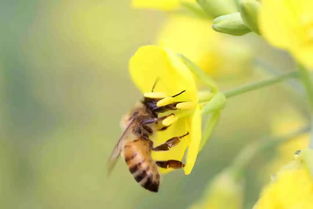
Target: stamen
(165, 101)
(169, 120)
(185, 105)
(154, 95)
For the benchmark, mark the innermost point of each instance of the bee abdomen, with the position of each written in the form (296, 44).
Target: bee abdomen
(129, 158)
(147, 176)
(150, 183)
(141, 166)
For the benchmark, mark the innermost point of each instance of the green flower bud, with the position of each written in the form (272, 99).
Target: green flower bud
(215, 8)
(231, 24)
(249, 10)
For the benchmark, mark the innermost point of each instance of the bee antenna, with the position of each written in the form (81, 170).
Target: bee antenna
(175, 95)
(154, 84)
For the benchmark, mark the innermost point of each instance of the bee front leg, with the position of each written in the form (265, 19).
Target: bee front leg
(170, 164)
(169, 143)
(155, 120)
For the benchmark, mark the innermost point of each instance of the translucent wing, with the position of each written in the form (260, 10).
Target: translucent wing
(118, 147)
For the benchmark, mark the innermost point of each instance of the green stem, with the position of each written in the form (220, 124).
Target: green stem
(260, 84)
(307, 82)
(250, 151)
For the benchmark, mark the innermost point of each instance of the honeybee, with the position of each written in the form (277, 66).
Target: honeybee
(135, 145)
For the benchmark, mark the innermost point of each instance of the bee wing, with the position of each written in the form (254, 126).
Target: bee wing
(118, 148)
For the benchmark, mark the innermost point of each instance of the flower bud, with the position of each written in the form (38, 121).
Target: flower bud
(249, 10)
(215, 8)
(231, 24)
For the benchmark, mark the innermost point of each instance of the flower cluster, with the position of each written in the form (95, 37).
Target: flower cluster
(289, 25)
(291, 188)
(187, 50)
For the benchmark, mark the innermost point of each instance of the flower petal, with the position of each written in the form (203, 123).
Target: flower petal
(195, 139)
(292, 188)
(177, 152)
(152, 63)
(289, 25)
(156, 4)
(199, 42)
(166, 5)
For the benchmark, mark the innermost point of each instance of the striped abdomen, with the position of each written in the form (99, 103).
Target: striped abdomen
(137, 155)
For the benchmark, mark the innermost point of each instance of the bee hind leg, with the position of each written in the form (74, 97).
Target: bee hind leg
(170, 164)
(169, 143)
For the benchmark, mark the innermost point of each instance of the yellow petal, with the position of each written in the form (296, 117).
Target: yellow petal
(292, 189)
(151, 63)
(289, 25)
(305, 55)
(156, 4)
(195, 135)
(272, 13)
(155, 95)
(199, 42)
(159, 4)
(177, 152)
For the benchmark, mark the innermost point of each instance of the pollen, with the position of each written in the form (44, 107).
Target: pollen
(185, 105)
(165, 101)
(155, 95)
(169, 120)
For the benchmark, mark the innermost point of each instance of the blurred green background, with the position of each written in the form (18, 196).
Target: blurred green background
(64, 86)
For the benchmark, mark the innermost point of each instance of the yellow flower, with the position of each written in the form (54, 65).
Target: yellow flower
(151, 63)
(284, 123)
(292, 188)
(211, 51)
(223, 193)
(159, 4)
(192, 37)
(288, 24)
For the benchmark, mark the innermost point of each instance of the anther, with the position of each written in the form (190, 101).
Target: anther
(155, 95)
(169, 120)
(185, 105)
(165, 101)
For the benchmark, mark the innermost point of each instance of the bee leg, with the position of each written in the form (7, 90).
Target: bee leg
(163, 128)
(169, 143)
(155, 120)
(170, 164)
